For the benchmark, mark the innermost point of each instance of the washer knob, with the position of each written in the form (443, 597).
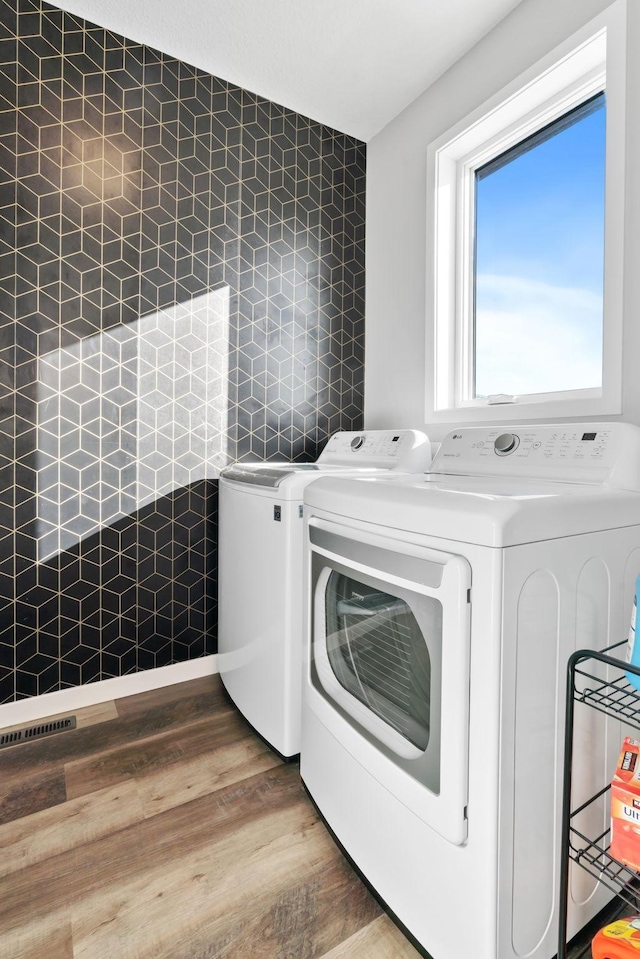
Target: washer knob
(506, 443)
(357, 442)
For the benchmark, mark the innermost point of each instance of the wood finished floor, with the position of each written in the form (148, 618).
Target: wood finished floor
(163, 828)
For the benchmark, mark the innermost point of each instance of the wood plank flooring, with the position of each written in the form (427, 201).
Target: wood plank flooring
(163, 828)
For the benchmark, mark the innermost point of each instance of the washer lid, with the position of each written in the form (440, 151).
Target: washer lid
(487, 511)
(262, 474)
(287, 481)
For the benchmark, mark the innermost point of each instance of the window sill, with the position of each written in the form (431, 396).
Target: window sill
(538, 411)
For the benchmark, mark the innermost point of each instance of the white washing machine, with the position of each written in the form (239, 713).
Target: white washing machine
(442, 612)
(260, 571)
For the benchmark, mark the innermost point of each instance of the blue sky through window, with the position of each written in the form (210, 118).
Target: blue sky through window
(539, 265)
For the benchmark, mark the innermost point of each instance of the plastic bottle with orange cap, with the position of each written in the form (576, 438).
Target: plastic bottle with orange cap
(618, 940)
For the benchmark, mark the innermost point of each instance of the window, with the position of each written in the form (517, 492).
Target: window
(528, 217)
(539, 260)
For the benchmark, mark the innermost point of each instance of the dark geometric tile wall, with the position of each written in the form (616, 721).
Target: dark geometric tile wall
(181, 285)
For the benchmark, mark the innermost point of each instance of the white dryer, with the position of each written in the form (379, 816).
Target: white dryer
(442, 612)
(260, 571)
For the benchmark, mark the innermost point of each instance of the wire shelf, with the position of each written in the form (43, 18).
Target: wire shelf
(598, 679)
(592, 854)
(613, 697)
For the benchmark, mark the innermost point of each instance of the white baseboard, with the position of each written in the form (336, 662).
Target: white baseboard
(66, 700)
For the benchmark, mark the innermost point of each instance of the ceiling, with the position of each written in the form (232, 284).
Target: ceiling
(351, 64)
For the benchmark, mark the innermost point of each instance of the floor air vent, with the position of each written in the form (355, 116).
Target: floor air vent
(29, 733)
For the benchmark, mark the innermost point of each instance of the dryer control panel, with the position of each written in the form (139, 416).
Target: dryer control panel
(594, 453)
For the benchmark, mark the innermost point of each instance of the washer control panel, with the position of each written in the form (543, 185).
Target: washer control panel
(583, 453)
(407, 450)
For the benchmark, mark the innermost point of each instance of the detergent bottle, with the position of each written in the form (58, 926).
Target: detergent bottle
(618, 940)
(633, 647)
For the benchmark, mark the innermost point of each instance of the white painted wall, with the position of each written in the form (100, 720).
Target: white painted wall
(398, 360)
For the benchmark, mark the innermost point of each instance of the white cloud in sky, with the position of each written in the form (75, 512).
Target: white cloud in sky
(533, 337)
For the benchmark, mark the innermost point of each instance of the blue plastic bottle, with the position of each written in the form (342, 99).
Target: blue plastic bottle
(633, 647)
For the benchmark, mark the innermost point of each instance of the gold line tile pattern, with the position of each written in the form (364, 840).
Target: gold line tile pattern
(182, 285)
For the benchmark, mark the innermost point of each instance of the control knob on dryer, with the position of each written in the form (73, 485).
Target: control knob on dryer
(357, 442)
(506, 443)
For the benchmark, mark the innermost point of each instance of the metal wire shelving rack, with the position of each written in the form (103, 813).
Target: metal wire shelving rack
(614, 697)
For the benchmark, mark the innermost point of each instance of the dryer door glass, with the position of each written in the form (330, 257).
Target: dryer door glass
(378, 654)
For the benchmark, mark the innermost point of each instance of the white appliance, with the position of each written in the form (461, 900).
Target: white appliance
(442, 612)
(260, 571)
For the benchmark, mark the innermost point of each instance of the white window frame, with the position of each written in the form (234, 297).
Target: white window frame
(590, 61)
